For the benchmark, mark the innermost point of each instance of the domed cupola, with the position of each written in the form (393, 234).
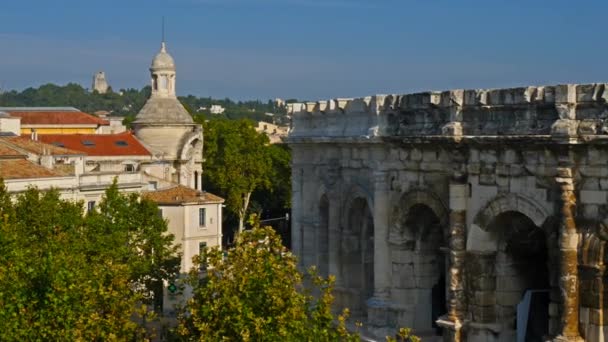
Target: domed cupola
(163, 108)
(163, 60)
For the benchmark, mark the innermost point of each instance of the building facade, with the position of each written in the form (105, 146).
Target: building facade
(479, 215)
(167, 129)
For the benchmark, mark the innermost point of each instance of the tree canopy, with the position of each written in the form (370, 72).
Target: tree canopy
(254, 292)
(128, 102)
(69, 276)
(240, 161)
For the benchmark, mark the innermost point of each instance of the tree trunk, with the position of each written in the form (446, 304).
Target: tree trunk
(243, 211)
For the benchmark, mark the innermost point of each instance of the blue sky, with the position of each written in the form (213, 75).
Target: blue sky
(306, 49)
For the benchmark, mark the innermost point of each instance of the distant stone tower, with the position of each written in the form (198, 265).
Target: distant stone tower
(167, 128)
(99, 82)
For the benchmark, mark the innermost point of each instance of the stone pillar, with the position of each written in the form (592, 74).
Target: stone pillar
(334, 237)
(296, 211)
(382, 254)
(568, 271)
(456, 295)
(378, 306)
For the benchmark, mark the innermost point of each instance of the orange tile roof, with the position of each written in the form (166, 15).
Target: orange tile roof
(51, 117)
(121, 144)
(180, 194)
(9, 152)
(21, 168)
(37, 147)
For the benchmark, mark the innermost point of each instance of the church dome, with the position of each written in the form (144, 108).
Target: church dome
(163, 59)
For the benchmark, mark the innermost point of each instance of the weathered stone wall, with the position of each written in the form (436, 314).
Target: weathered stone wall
(470, 191)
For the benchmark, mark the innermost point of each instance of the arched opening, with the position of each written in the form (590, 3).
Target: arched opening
(418, 267)
(522, 276)
(357, 258)
(323, 237)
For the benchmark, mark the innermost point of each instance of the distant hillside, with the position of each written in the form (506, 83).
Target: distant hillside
(127, 102)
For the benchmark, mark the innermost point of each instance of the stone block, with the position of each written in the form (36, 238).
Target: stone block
(403, 276)
(416, 154)
(483, 314)
(427, 268)
(402, 256)
(404, 297)
(596, 333)
(593, 197)
(508, 297)
(598, 316)
(484, 283)
(426, 282)
(485, 298)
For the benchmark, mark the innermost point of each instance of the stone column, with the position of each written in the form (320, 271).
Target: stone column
(334, 237)
(382, 254)
(296, 212)
(378, 305)
(568, 271)
(456, 296)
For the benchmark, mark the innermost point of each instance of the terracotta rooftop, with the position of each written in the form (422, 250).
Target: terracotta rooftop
(21, 168)
(180, 194)
(121, 144)
(7, 152)
(53, 116)
(36, 147)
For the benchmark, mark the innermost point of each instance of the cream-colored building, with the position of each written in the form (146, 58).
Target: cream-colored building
(275, 133)
(81, 155)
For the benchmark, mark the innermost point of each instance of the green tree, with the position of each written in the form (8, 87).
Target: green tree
(67, 276)
(237, 162)
(129, 230)
(52, 285)
(254, 292)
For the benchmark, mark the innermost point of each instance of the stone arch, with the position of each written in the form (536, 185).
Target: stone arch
(352, 193)
(421, 196)
(192, 147)
(520, 262)
(417, 233)
(514, 203)
(356, 254)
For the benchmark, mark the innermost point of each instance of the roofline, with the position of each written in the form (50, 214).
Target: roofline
(177, 204)
(40, 109)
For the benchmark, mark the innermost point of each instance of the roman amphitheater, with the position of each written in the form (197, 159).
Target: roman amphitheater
(477, 215)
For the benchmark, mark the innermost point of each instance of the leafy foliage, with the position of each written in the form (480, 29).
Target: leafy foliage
(239, 161)
(254, 292)
(66, 276)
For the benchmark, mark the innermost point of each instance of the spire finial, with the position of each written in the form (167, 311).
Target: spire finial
(163, 48)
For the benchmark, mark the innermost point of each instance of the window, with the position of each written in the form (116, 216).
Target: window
(152, 185)
(121, 143)
(88, 143)
(160, 213)
(129, 168)
(202, 217)
(91, 206)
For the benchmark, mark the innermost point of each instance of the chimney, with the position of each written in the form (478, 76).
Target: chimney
(34, 135)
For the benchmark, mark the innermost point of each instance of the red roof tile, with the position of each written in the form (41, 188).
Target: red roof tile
(180, 194)
(36, 147)
(9, 152)
(21, 168)
(57, 118)
(121, 144)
